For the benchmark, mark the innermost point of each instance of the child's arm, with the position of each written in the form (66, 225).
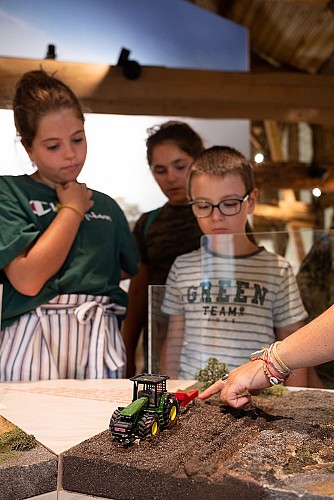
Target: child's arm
(30, 270)
(136, 315)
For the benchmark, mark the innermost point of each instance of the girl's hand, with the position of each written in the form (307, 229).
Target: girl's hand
(249, 377)
(76, 195)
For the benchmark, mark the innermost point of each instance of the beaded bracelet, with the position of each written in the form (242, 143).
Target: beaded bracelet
(76, 210)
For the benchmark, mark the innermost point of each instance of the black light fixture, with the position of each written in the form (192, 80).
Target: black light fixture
(51, 52)
(131, 69)
(317, 172)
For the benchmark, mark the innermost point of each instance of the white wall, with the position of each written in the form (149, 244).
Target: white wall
(116, 161)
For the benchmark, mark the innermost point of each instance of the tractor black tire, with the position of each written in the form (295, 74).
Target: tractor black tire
(171, 411)
(148, 426)
(114, 417)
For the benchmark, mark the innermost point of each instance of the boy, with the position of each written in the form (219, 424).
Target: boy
(231, 297)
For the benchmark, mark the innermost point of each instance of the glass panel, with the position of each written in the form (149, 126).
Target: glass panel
(157, 327)
(2, 391)
(1, 291)
(226, 303)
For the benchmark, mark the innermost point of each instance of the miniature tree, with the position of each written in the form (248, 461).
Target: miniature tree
(213, 371)
(16, 440)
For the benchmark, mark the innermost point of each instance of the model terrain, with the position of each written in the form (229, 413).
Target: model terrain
(27, 469)
(278, 447)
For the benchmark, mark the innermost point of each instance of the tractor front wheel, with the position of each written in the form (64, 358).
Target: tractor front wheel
(115, 417)
(148, 426)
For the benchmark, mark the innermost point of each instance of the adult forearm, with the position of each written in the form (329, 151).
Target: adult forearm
(310, 345)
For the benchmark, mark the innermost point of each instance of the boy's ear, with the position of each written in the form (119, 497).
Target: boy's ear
(252, 200)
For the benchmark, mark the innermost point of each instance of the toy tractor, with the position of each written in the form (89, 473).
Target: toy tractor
(152, 409)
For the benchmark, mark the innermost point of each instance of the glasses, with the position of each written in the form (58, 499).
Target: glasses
(232, 206)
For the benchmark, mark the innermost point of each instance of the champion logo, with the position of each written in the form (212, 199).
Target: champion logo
(41, 208)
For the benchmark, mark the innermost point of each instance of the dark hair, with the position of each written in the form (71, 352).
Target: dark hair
(36, 95)
(179, 133)
(220, 161)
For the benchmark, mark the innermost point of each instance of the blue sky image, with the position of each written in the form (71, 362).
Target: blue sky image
(171, 33)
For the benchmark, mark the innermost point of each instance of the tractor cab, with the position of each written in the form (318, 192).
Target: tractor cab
(151, 386)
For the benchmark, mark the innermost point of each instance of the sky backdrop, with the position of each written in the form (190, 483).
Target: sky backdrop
(171, 33)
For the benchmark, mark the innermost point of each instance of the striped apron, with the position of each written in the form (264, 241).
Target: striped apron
(72, 336)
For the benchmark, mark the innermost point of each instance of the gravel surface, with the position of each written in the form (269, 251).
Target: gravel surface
(25, 474)
(284, 443)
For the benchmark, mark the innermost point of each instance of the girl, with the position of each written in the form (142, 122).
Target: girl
(162, 234)
(62, 249)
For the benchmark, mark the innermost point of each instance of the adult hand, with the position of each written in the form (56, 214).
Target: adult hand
(249, 377)
(76, 195)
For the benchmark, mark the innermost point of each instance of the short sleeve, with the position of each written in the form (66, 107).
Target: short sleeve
(17, 231)
(172, 303)
(288, 307)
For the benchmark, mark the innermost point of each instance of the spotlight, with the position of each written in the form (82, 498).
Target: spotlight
(51, 53)
(131, 69)
(259, 158)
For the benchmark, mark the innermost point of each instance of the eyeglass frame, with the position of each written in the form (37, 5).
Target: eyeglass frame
(240, 200)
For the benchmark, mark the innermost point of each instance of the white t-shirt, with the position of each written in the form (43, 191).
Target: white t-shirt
(231, 305)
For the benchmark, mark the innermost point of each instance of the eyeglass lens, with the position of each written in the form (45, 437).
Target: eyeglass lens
(226, 207)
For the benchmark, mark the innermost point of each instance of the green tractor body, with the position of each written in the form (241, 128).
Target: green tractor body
(152, 409)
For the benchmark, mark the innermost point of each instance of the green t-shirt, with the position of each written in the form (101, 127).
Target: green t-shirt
(103, 246)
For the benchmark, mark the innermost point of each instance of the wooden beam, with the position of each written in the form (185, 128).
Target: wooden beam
(286, 212)
(274, 140)
(293, 142)
(287, 97)
(296, 237)
(290, 175)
